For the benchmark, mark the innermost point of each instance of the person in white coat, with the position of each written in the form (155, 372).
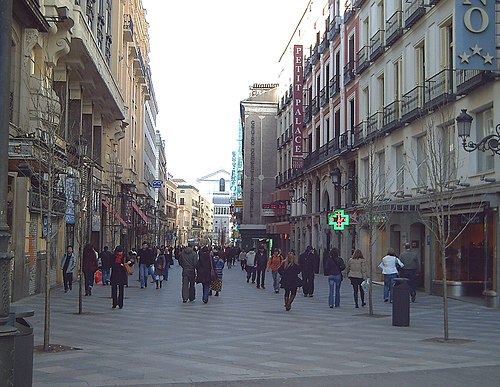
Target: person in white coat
(68, 265)
(389, 266)
(250, 266)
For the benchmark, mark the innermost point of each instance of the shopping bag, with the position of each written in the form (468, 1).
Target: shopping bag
(98, 277)
(365, 285)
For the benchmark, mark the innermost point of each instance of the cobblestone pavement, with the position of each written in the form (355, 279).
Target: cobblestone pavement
(244, 337)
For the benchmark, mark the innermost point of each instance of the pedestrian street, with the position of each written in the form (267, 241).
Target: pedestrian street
(245, 337)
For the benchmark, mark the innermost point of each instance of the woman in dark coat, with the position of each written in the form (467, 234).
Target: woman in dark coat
(203, 271)
(90, 266)
(118, 277)
(290, 280)
(160, 267)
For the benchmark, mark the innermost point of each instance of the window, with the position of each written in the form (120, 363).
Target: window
(400, 167)
(366, 101)
(381, 173)
(484, 127)
(422, 161)
(351, 115)
(420, 63)
(398, 79)
(365, 165)
(381, 92)
(327, 130)
(222, 185)
(449, 171)
(181, 201)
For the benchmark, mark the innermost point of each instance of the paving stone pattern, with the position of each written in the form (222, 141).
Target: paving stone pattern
(246, 335)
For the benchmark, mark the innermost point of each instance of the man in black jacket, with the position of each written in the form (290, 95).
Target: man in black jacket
(261, 263)
(307, 263)
(146, 259)
(106, 260)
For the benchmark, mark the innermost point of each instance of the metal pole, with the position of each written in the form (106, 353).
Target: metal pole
(7, 332)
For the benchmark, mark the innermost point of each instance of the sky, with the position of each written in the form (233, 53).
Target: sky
(204, 55)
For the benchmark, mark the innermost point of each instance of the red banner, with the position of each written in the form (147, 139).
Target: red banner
(116, 214)
(139, 211)
(298, 103)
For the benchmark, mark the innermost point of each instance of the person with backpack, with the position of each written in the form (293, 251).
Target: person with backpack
(333, 269)
(160, 266)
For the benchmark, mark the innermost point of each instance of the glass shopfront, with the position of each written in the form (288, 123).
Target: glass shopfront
(470, 261)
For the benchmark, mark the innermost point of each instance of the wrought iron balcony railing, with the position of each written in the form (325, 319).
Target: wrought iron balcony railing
(394, 28)
(363, 61)
(377, 47)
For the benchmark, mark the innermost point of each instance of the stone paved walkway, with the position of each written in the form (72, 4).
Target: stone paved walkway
(246, 336)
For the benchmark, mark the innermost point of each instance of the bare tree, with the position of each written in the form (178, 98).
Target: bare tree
(436, 180)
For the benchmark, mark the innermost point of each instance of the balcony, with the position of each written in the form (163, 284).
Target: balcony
(290, 94)
(468, 80)
(348, 72)
(334, 85)
(413, 11)
(412, 104)
(128, 29)
(377, 45)
(323, 45)
(278, 145)
(323, 96)
(358, 135)
(392, 116)
(307, 114)
(307, 68)
(333, 31)
(349, 11)
(439, 90)
(315, 55)
(345, 144)
(324, 153)
(374, 124)
(315, 105)
(363, 61)
(394, 28)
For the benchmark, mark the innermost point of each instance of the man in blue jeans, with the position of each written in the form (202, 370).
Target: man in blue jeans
(146, 259)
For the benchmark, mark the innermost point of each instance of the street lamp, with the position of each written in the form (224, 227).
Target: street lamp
(293, 199)
(490, 142)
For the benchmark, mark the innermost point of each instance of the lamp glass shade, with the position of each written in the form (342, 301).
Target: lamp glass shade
(464, 123)
(335, 174)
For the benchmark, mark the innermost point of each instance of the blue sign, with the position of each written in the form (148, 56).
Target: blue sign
(157, 183)
(475, 34)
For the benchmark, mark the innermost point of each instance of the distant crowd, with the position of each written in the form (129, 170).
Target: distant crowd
(205, 266)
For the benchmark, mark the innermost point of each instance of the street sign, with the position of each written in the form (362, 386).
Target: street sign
(157, 183)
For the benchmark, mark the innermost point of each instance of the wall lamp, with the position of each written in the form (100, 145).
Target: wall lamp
(293, 199)
(336, 176)
(490, 142)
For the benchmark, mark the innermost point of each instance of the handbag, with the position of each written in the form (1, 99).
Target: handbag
(128, 269)
(213, 273)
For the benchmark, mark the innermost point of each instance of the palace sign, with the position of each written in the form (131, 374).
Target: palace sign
(298, 106)
(475, 34)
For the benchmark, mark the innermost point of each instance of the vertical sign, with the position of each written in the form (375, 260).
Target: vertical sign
(475, 34)
(298, 106)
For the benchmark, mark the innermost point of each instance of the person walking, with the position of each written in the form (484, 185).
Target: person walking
(146, 259)
(160, 266)
(274, 264)
(189, 261)
(333, 269)
(106, 260)
(243, 259)
(218, 266)
(290, 280)
(390, 270)
(357, 273)
(68, 265)
(250, 265)
(204, 271)
(90, 266)
(410, 269)
(307, 262)
(118, 277)
(261, 264)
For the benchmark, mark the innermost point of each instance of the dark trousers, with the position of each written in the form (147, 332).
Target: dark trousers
(89, 280)
(117, 295)
(68, 281)
(411, 274)
(250, 273)
(308, 285)
(261, 276)
(243, 263)
(188, 290)
(358, 289)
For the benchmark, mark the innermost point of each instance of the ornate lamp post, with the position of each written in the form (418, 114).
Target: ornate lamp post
(488, 143)
(301, 199)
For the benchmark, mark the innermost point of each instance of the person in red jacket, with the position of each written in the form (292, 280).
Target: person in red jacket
(90, 266)
(274, 264)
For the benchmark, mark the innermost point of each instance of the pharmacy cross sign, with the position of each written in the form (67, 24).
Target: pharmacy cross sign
(338, 220)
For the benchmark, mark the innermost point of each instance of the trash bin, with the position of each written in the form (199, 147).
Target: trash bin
(23, 346)
(401, 303)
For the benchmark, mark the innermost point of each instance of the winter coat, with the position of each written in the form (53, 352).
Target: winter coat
(188, 260)
(307, 262)
(290, 276)
(146, 257)
(261, 259)
(251, 258)
(356, 268)
(204, 268)
(274, 263)
(106, 259)
(160, 264)
(218, 265)
(334, 266)
(90, 264)
(71, 264)
(118, 272)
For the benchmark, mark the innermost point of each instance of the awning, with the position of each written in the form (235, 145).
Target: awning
(139, 211)
(116, 214)
(279, 228)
